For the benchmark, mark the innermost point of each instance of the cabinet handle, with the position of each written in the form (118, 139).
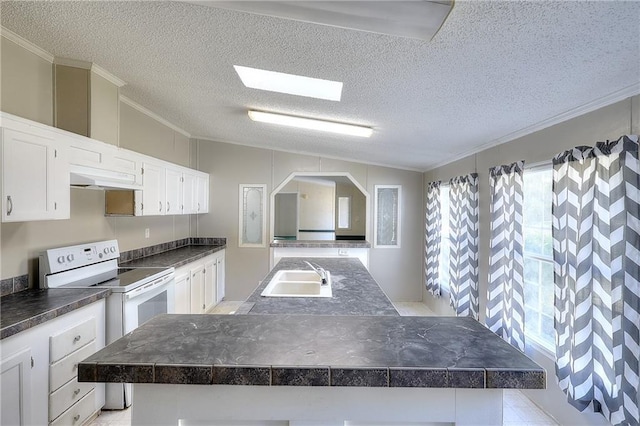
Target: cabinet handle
(168, 206)
(204, 271)
(198, 206)
(9, 205)
(76, 392)
(77, 338)
(76, 418)
(160, 202)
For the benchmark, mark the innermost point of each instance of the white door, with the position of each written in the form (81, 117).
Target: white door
(210, 282)
(15, 388)
(153, 193)
(173, 192)
(202, 201)
(220, 278)
(197, 290)
(35, 178)
(189, 193)
(183, 293)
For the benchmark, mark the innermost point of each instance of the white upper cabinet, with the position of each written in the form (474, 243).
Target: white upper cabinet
(35, 175)
(173, 191)
(202, 197)
(154, 189)
(189, 192)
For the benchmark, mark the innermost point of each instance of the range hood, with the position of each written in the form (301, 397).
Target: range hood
(94, 178)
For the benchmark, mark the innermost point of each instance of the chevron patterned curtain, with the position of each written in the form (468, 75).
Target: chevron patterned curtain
(596, 252)
(433, 224)
(463, 260)
(505, 294)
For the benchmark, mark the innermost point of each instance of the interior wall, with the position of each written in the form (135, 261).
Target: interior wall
(610, 123)
(316, 206)
(26, 82)
(30, 95)
(357, 209)
(397, 270)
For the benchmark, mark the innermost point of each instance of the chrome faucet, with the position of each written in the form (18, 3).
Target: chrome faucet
(320, 271)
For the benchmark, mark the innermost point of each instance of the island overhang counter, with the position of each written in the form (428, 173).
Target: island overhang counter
(314, 369)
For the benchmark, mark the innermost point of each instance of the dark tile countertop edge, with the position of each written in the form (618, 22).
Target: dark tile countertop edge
(275, 375)
(176, 257)
(29, 308)
(321, 244)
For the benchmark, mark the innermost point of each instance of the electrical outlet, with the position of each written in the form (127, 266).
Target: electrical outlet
(343, 252)
(146, 232)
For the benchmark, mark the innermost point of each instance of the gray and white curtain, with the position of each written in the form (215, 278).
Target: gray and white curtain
(505, 294)
(463, 235)
(596, 252)
(433, 225)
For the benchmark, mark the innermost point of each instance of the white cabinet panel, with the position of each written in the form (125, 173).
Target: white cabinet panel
(197, 290)
(210, 282)
(153, 193)
(35, 177)
(190, 193)
(173, 191)
(220, 275)
(75, 337)
(202, 198)
(129, 162)
(15, 388)
(183, 293)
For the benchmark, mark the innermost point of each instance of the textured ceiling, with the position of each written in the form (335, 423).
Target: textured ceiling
(494, 69)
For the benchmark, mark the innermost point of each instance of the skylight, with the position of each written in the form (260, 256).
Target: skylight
(290, 83)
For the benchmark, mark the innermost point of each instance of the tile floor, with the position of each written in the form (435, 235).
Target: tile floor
(518, 410)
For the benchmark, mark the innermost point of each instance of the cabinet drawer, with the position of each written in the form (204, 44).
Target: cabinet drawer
(79, 413)
(72, 339)
(66, 396)
(67, 368)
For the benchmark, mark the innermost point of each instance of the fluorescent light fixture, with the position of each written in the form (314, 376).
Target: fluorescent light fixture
(290, 83)
(311, 123)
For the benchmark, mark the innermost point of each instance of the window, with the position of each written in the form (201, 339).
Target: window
(445, 244)
(538, 256)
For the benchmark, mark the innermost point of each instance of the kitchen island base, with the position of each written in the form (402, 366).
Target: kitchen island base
(171, 404)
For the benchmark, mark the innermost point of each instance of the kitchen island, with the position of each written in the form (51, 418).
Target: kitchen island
(299, 369)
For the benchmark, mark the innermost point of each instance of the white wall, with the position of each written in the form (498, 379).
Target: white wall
(398, 271)
(609, 122)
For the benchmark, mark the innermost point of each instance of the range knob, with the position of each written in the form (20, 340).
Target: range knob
(70, 257)
(60, 259)
(112, 249)
(106, 251)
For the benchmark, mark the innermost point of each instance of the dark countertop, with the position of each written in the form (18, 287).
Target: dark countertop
(314, 350)
(355, 292)
(26, 309)
(175, 258)
(321, 243)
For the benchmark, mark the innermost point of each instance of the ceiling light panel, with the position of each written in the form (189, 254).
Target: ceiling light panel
(311, 123)
(290, 83)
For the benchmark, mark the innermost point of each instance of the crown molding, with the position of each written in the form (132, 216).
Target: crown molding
(107, 75)
(68, 62)
(26, 44)
(153, 115)
(602, 102)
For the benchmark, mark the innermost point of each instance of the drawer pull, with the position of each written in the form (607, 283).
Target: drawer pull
(76, 418)
(76, 392)
(77, 338)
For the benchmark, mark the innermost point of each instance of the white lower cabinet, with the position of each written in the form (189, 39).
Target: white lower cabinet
(200, 284)
(39, 369)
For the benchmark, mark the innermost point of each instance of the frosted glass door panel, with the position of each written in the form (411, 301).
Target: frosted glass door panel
(387, 212)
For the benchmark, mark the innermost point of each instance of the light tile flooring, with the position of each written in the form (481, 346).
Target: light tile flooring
(518, 410)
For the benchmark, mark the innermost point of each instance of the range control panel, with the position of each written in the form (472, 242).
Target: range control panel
(65, 258)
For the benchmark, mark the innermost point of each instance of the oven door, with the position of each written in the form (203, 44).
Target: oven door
(147, 301)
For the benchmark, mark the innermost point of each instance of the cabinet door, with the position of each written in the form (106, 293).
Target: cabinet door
(183, 294)
(15, 388)
(197, 290)
(153, 193)
(220, 278)
(129, 162)
(173, 192)
(202, 200)
(35, 178)
(189, 193)
(210, 283)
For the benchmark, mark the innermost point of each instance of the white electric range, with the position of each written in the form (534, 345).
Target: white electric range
(138, 294)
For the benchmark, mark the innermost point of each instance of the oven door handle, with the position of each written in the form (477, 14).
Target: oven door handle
(155, 285)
